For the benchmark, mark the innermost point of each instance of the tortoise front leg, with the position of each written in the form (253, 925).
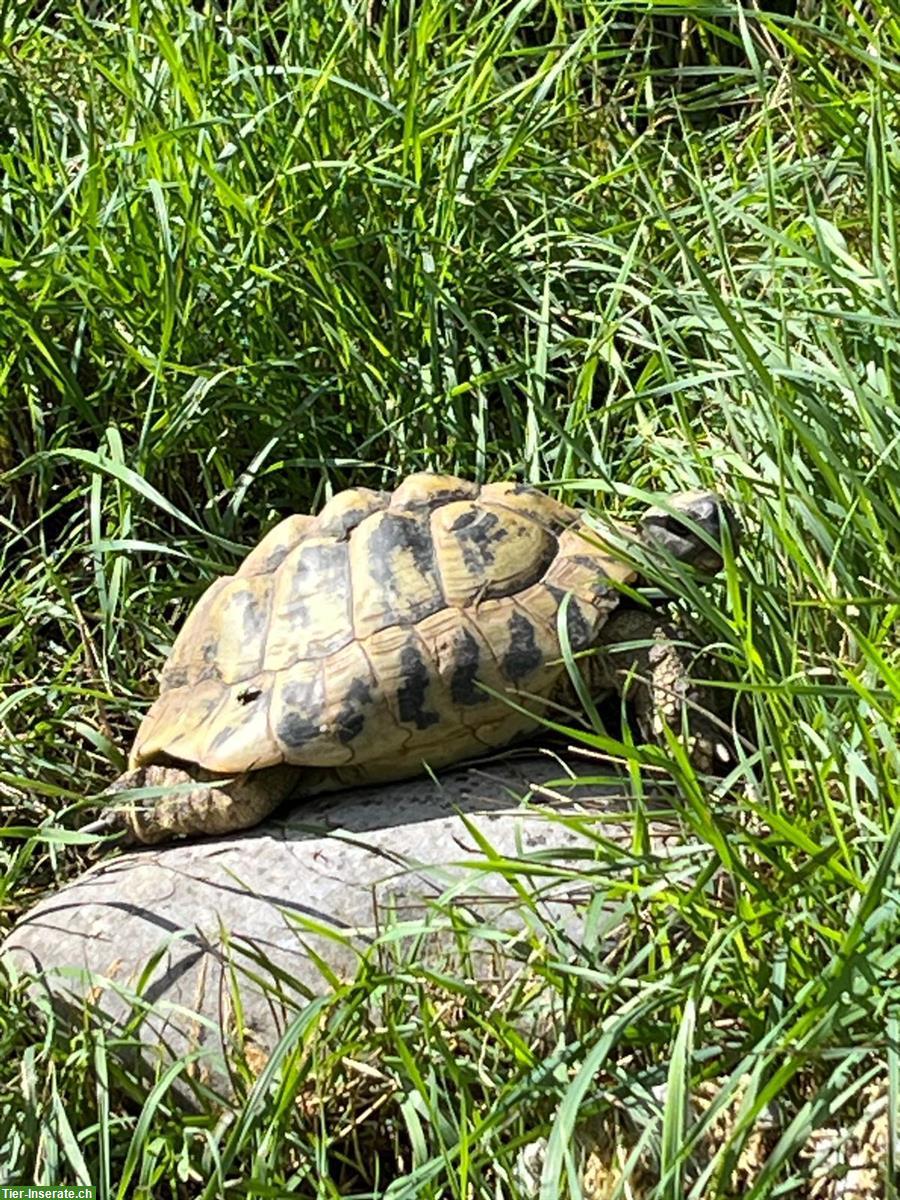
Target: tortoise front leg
(653, 670)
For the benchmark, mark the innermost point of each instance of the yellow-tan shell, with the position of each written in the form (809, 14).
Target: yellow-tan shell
(386, 630)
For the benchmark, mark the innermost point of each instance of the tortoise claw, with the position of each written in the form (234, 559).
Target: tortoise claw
(110, 824)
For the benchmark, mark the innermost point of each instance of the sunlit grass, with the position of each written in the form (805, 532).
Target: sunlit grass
(252, 254)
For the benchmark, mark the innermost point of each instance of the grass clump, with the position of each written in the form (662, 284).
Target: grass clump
(253, 253)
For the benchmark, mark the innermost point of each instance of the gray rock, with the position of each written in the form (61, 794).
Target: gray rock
(275, 913)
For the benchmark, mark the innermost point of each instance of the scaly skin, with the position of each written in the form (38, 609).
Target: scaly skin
(657, 679)
(196, 807)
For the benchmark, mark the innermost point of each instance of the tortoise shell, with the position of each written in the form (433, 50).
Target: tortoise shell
(384, 633)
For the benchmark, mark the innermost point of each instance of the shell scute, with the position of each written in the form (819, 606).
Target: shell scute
(220, 728)
(347, 509)
(520, 646)
(408, 683)
(526, 500)
(311, 604)
(239, 625)
(236, 736)
(359, 716)
(427, 490)
(196, 642)
(485, 552)
(300, 719)
(271, 551)
(462, 659)
(588, 569)
(395, 580)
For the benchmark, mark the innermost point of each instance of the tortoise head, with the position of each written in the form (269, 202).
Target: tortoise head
(686, 525)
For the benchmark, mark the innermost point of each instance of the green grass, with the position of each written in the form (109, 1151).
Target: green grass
(252, 254)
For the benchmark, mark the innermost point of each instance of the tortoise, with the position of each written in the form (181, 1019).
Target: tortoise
(385, 637)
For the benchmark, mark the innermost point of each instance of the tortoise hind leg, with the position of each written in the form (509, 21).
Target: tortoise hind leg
(653, 671)
(188, 803)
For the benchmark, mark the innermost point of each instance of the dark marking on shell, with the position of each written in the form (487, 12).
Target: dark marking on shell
(276, 558)
(392, 536)
(341, 525)
(464, 677)
(479, 531)
(321, 575)
(322, 570)
(248, 694)
(221, 738)
(477, 538)
(171, 679)
(395, 533)
(203, 708)
(412, 691)
(553, 522)
(581, 634)
(296, 730)
(254, 617)
(301, 722)
(343, 512)
(464, 520)
(523, 655)
(300, 614)
(577, 627)
(210, 668)
(585, 560)
(352, 715)
(434, 498)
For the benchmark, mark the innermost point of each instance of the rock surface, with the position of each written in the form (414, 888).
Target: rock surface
(277, 908)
